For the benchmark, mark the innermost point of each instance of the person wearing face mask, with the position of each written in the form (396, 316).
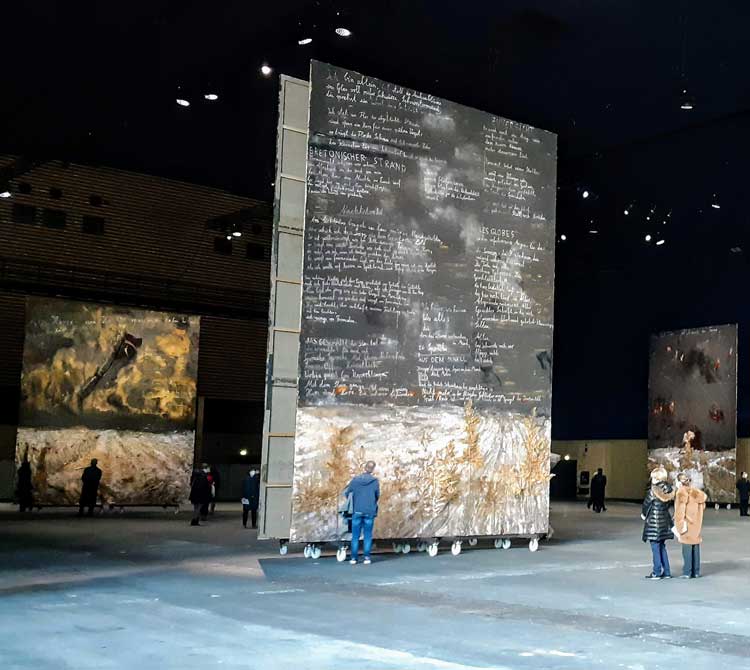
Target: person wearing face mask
(743, 488)
(250, 497)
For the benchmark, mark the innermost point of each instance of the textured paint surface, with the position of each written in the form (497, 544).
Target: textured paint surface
(426, 337)
(692, 422)
(116, 384)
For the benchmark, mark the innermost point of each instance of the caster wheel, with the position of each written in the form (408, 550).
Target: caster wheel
(405, 548)
(397, 547)
(315, 553)
(506, 543)
(473, 542)
(729, 506)
(717, 506)
(456, 548)
(283, 549)
(341, 554)
(421, 546)
(533, 544)
(306, 551)
(432, 550)
(498, 543)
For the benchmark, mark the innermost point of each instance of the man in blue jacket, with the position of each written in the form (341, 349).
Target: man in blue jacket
(365, 492)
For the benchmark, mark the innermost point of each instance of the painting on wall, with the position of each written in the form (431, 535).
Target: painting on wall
(692, 424)
(113, 383)
(427, 307)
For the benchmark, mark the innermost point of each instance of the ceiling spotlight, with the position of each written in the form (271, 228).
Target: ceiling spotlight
(593, 232)
(237, 233)
(687, 102)
(585, 195)
(566, 457)
(243, 452)
(229, 237)
(715, 202)
(647, 238)
(182, 102)
(4, 194)
(343, 32)
(648, 217)
(304, 41)
(563, 237)
(659, 243)
(211, 96)
(736, 250)
(265, 69)
(626, 212)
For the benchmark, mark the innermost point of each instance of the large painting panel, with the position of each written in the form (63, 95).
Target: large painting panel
(426, 340)
(692, 422)
(112, 383)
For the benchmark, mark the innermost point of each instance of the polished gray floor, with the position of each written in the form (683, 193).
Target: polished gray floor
(148, 591)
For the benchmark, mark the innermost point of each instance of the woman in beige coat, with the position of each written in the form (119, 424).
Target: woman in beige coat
(689, 504)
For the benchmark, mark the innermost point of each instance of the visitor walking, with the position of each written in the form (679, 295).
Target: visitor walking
(210, 480)
(743, 487)
(200, 494)
(598, 488)
(689, 504)
(365, 492)
(250, 497)
(24, 487)
(216, 482)
(91, 477)
(657, 527)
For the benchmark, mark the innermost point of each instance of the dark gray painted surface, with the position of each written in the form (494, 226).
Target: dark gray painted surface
(429, 251)
(693, 386)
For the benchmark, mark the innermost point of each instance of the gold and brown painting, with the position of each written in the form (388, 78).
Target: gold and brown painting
(112, 383)
(444, 471)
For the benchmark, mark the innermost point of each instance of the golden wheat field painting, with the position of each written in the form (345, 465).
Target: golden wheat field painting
(444, 471)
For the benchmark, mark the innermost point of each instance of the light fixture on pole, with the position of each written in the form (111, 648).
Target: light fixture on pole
(182, 102)
(5, 194)
(343, 32)
(211, 97)
(266, 70)
(304, 41)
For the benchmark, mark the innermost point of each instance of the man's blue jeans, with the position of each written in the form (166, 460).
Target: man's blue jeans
(362, 523)
(661, 560)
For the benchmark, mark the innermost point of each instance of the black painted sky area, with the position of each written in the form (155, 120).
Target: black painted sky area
(95, 82)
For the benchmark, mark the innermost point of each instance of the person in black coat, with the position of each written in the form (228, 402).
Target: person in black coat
(250, 497)
(200, 494)
(657, 527)
(91, 477)
(598, 487)
(743, 488)
(216, 481)
(24, 487)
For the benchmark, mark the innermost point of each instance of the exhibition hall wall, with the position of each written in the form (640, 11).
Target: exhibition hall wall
(426, 340)
(112, 383)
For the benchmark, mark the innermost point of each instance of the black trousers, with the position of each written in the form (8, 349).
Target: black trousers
(253, 512)
(743, 507)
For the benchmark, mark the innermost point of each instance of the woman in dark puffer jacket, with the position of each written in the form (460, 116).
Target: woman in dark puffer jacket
(657, 528)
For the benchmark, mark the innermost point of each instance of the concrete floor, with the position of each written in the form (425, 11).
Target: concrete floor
(147, 591)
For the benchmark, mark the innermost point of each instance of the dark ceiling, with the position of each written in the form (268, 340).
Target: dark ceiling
(96, 82)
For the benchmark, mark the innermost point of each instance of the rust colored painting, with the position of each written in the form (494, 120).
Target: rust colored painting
(692, 424)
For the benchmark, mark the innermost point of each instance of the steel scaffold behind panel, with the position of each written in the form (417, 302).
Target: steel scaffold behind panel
(284, 310)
